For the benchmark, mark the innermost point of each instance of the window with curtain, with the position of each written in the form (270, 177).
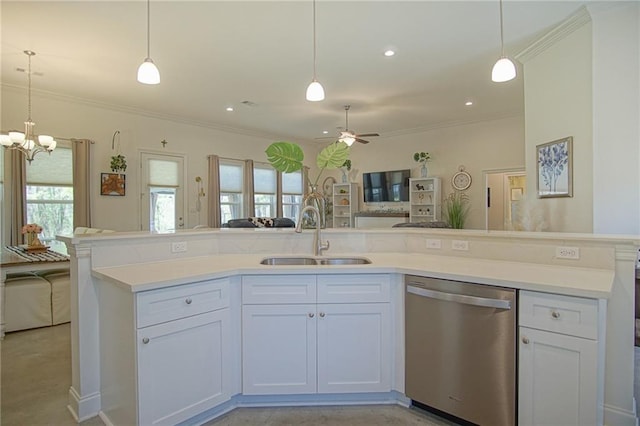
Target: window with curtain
(49, 195)
(231, 190)
(291, 194)
(264, 190)
(164, 179)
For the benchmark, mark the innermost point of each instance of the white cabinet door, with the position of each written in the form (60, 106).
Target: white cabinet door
(279, 349)
(558, 379)
(354, 348)
(184, 367)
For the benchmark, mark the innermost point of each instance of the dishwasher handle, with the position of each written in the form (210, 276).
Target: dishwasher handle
(460, 298)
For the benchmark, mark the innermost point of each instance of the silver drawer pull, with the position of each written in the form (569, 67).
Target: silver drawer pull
(311, 314)
(321, 314)
(188, 301)
(145, 340)
(555, 314)
(525, 340)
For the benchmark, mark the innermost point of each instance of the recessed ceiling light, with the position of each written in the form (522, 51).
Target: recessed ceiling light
(389, 52)
(468, 103)
(230, 109)
(324, 132)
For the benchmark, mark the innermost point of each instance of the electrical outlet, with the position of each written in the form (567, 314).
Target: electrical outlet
(567, 253)
(179, 247)
(460, 245)
(433, 243)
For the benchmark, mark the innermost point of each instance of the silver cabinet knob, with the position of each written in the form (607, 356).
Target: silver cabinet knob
(188, 300)
(321, 314)
(311, 315)
(555, 314)
(525, 340)
(145, 340)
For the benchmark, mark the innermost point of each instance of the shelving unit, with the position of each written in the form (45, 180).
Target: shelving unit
(424, 199)
(345, 204)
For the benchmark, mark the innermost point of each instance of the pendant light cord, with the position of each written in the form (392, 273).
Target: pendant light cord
(314, 40)
(501, 32)
(29, 54)
(149, 28)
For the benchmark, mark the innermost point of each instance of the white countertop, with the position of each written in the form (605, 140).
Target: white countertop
(572, 281)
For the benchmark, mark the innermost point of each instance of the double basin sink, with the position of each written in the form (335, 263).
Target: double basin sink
(307, 260)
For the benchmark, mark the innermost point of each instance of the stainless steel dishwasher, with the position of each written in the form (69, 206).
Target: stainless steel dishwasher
(461, 349)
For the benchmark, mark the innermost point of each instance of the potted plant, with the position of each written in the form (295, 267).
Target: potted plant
(287, 157)
(457, 209)
(118, 163)
(422, 158)
(346, 168)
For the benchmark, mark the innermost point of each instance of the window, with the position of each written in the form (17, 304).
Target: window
(49, 195)
(164, 180)
(291, 194)
(264, 190)
(231, 190)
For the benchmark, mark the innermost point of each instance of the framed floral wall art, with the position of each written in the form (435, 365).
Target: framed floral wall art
(112, 184)
(555, 168)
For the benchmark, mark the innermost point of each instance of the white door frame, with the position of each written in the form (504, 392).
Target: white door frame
(485, 174)
(143, 189)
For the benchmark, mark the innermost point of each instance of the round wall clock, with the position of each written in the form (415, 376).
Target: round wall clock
(327, 186)
(461, 180)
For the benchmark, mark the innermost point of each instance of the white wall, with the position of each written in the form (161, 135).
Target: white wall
(496, 144)
(66, 118)
(557, 87)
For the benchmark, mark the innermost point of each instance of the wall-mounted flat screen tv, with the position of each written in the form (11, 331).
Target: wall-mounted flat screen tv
(379, 187)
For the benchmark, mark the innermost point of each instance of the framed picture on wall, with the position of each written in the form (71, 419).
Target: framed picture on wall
(112, 184)
(555, 168)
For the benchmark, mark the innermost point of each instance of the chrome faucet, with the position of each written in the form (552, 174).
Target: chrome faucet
(318, 246)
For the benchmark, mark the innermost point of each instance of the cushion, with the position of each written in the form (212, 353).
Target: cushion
(27, 303)
(261, 222)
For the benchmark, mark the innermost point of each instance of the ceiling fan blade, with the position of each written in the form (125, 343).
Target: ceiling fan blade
(361, 140)
(367, 134)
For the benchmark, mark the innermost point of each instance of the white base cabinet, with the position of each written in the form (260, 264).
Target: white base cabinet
(560, 360)
(297, 347)
(166, 354)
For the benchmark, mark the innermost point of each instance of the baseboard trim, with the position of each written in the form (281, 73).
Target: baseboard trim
(619, 417)
(83, 408)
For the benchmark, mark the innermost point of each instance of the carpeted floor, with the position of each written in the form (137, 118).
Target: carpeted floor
(36, 376)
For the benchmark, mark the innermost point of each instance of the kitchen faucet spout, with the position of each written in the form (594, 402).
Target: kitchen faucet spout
(318, 245)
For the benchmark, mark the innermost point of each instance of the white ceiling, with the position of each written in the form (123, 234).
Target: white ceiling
(214, 54)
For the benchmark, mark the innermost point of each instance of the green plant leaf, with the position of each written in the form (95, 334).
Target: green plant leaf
(333, 156)
(285, 157)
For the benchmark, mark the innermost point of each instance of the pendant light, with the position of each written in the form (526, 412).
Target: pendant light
(504, 69)
(315, 92)
(148, 72)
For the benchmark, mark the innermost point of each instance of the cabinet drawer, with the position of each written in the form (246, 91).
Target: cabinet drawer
(575, 316)
(354, 288)
(167, 304)
(268, 289)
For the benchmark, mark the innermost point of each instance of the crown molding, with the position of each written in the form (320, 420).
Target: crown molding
(146, 113)
(567, 27)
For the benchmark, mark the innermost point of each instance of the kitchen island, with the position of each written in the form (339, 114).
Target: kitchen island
(134, 264)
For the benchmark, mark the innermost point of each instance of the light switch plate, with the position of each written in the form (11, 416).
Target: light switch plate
(460, 245)
(179, 247)
(433, 243)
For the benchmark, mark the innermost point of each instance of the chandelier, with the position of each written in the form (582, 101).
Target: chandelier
(27, 142)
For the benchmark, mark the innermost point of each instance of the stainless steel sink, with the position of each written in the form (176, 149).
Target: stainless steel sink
(344, 261)
(303, 260)
(288, 261)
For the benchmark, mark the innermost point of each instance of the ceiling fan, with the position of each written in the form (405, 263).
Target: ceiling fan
(349, 137)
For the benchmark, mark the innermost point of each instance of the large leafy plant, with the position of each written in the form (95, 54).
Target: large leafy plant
(287, 157)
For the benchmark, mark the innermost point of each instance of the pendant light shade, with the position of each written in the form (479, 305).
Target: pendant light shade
(315, 91)
(148, 73)
(504, 69)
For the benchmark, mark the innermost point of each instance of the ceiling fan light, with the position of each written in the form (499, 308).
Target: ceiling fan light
(503, 70)
(349, 140)
(148, 72)
(315, 92)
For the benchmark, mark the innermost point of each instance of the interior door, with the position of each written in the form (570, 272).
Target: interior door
(162, 192)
